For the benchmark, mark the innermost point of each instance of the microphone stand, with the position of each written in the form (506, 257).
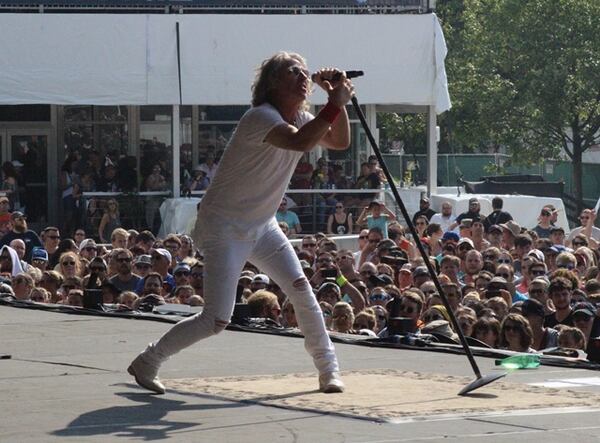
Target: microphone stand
(479, 380)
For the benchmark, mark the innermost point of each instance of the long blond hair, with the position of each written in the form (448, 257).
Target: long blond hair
(267, 75)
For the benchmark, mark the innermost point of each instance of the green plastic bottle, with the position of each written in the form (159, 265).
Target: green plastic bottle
(520, 361)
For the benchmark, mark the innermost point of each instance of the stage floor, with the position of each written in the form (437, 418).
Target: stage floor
(66, 381)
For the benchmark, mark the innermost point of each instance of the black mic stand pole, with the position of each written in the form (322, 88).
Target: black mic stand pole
(480, 380)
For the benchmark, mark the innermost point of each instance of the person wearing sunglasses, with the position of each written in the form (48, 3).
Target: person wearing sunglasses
(516, 334)
(340, 222)
(236, 217)
(542, 229)
(20, 230)
(587, 218)
(124, 279)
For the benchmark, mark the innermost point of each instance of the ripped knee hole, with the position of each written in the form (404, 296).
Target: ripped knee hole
(301, 283)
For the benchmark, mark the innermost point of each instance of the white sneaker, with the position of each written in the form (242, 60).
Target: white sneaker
(146, 375)
(330, 382)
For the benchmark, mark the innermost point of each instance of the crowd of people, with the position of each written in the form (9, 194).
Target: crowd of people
(510, 287)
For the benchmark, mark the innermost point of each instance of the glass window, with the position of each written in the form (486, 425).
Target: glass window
(97, 137)
(25, 113)
(156, 146)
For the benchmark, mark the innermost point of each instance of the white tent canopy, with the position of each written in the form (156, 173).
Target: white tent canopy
(109, 59)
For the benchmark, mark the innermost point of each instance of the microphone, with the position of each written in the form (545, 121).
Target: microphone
(349, 74)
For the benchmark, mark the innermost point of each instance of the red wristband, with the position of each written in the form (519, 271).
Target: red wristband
(329, 113)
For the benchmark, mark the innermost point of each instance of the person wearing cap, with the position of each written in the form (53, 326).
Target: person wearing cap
(424, 210)
(376, 215)
(259, 282)
(585, 318)
(182, 274)
(125, 279)
(444, 218)
(494, 236)
(39, 258)
(88, 249)
(587, 218)
(161, 261)
(497, 216)
(463, 246)
(472, 213)
(420, 275)
(20, 231)
(543, 337)
(510, 231)
(199, 180)
(329, 292)
(142, 265)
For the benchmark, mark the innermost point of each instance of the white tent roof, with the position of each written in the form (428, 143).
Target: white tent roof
(108, 59)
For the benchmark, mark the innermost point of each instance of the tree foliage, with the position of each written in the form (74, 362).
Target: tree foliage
(523, 75)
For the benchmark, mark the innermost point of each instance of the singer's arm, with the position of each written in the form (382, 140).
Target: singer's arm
(338, 136)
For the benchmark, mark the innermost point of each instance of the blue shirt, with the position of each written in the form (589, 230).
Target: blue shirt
(289, 217)
(380, 222)
(139, 288)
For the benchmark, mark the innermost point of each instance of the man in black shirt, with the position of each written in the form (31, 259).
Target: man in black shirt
(560, 292)
(497, 216)
(472, 214)
(19, 231)
(424, 209)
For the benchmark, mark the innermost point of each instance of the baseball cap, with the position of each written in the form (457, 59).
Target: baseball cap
(407, 267)
(88, 243)
(143, 259)
(424, 199)
(496, 228)
(464, 240)
(557, 229)
(328, 286)
(386, 244)
(166, 254)
(584, 308)
(473, 200)
(181, 267)
(261, 278)
(537, 254)
(450, 235)
(420, 271)
(375, 202)
(17, 214)
(39, 254)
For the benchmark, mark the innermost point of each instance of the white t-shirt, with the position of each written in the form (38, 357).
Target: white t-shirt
(444, 222)
(252, 176)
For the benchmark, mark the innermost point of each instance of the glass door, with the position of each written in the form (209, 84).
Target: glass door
(25, 155)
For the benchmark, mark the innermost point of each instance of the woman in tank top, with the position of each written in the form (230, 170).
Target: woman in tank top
(340, 222)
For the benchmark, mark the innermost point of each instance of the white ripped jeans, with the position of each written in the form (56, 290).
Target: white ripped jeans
(224, 259)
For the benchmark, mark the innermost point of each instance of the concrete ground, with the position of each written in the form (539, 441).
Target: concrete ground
(66, 381)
